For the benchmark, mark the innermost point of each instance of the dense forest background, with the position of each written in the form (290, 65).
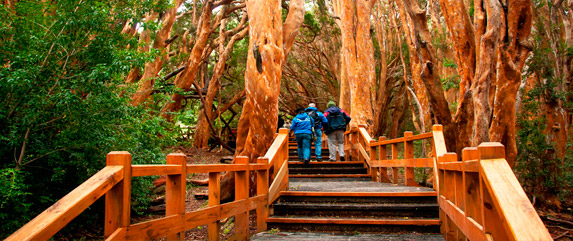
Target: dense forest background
(81, 78)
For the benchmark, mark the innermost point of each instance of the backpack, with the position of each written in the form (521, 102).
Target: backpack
(336, 121)
(314, 117)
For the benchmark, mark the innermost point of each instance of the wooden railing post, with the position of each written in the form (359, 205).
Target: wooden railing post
(214, 228)
(409, 154)
(118, 199)
(175, 188)
(448, 227)
(491, 216)
(373, 171)
(395, 157)
(262, 189)
(473, 196)
(383, 155)
(242, 192)
(354, 143)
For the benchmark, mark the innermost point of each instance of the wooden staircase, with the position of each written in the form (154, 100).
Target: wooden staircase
(339, 197)
(373, 197)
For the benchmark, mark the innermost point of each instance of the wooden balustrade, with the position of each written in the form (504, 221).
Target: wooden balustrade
(374, 154)
(115, 182)
(480, 198)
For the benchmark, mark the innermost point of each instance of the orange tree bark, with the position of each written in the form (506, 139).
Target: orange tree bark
(357, 59)
(422, 51)
(417, 84)
(384, 83)
(498, 38)
(269, 42)
(186, 78)
(516, 47)
(202, 131)
(143, 47)
(145, 85)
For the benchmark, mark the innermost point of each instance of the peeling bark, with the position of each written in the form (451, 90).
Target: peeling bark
(145, 85)
(357, 59)
(201, 137)
(267, 51)
(186, 78)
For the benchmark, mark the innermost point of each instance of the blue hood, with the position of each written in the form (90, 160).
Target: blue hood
(302, 124)
(302, 116)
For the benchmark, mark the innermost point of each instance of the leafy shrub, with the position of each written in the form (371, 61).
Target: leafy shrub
(63, 106)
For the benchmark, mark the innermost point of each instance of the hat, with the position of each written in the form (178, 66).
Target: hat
(331, 104)
(299, 110)
(312, 105)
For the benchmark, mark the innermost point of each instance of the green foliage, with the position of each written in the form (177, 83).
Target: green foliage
(539, 171)
(63, 107)
(471, 10)
(448, 63)
(449, 82)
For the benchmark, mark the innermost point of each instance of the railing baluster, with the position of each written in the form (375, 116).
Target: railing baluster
(383, 155)
(373, 171)
(214, 200)
(409, 154)
(395, 157)
(262, 189)
(450, 195)
(175, 191)
(242, 192)
(118, 199)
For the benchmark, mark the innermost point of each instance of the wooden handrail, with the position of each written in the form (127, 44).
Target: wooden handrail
(115, 182)
(66, 209)
(480, 198)
(374, 154)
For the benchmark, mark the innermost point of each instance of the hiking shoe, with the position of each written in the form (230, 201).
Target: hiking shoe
(332, 160)
(342, 158)
(306, 161)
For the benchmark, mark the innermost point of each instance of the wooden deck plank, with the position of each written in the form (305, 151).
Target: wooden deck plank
(358, 194)
(423, 222)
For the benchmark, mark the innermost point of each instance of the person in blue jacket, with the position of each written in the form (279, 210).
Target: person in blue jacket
(319, 122)
(302, 127)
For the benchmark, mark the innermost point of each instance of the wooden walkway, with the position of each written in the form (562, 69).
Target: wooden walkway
(272, 236)
(351, 186)
(478, 198)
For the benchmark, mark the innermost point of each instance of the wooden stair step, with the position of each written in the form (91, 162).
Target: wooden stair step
(358, 194)
(327, 170)
(358, 197)
(358, 210)
(328, 163)
(327, 175)
(359, 221)
(314, 236)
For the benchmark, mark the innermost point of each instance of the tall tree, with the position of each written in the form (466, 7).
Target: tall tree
(206, 116)
(269, 43)
(357, 59)
(500, 38)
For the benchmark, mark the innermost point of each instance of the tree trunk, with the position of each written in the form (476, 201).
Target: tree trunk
(357, 59)
(186, 78)
(201, 137)
(384, 83)
(265, 60)
(515, 49)
(417, 84)
(145, 85)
